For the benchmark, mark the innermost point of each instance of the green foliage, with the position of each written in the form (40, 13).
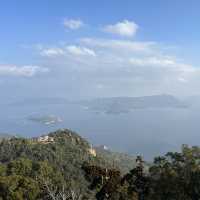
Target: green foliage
(176, 175)
(121, 161)
(111, 185)
(20, 166)
(57, 164)
(31, 169)
(18, 188)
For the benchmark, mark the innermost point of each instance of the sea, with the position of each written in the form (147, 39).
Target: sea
(147, 132)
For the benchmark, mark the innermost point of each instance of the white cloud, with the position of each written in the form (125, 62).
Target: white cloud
(52, 52)
(65, 51)
(120, 45)
(80, 51)
(163, 62)
(153, 61)
(180, 71)
(125, 28)
(183, 80)
(73, 24)
(24, 71)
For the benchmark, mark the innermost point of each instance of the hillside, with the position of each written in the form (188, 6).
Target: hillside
(5, 136)
(122, 161)
(62, 153)
(64, 166)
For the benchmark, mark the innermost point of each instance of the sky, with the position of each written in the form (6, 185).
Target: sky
(83, 49)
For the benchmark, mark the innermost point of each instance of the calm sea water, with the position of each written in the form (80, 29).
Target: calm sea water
(150, 132)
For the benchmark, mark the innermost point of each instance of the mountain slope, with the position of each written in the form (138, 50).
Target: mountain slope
(56, 158)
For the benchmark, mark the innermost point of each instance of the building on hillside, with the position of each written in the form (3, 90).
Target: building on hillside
(45, 139)
(92, 151)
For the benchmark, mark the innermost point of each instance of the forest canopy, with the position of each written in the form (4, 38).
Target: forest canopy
(64, 167)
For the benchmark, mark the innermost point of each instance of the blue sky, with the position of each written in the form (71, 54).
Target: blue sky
(99, 48)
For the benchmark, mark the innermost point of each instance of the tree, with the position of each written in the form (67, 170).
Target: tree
(18, 188)
(62, 194)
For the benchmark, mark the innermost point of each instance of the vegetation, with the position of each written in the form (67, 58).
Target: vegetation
(120, 161)
(175, 176)
(46, 167)
(66, 167)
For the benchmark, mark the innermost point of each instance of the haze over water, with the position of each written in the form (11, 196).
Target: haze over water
(148, 131)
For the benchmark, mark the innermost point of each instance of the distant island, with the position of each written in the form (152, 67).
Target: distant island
(46, 120)
(119, 105)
